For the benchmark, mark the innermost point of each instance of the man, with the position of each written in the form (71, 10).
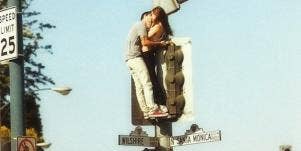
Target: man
(137, 38)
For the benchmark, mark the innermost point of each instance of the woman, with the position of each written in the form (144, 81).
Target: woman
(160, 31)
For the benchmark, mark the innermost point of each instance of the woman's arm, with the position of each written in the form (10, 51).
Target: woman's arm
(146, 42)
(154, 30)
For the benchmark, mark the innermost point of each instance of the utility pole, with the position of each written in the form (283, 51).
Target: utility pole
(163, 131)
(16, 69)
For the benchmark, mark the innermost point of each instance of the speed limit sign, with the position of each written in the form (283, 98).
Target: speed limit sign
(8, 34)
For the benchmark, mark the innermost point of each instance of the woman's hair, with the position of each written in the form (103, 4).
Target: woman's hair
(163, 18)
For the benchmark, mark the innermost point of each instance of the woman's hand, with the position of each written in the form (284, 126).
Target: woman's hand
(164, 43)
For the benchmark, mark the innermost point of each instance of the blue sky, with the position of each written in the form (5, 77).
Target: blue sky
(246, 57)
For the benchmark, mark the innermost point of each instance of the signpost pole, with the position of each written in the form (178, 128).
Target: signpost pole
(163, 131)
(16, 68)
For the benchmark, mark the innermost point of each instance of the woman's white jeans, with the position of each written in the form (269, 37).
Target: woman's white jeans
(143, 85)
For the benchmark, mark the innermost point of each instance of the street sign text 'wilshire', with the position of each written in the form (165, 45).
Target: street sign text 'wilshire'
(138, 137)
(138, 141)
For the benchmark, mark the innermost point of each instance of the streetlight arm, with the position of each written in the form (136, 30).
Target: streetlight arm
(43, 145)
(40, 89)
(61, 90)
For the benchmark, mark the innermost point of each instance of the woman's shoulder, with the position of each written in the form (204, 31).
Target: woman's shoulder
(157, 28)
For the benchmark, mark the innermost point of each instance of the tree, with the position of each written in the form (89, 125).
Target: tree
(34, 77)
(5, 137)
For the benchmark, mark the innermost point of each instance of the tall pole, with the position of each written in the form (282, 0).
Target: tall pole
(1, 112)
(163, 131)
(16, 69)
(1, 117)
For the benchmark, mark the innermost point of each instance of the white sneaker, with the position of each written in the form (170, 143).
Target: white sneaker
(163, 108)
(157, 113)
(145, 116)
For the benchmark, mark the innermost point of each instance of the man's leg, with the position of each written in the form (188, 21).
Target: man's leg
(138, 86)
(144, 79)
(140, 71)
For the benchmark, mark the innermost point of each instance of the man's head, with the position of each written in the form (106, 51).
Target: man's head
(146, 18)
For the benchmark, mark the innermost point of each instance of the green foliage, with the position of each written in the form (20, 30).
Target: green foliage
(32, 28)
(32, 132)
(34, 77)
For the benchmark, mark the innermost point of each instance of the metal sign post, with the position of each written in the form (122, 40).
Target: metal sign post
(12, 48)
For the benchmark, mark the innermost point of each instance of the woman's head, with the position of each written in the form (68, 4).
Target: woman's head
(159, 15)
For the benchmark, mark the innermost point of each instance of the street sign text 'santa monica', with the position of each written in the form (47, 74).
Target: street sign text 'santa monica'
(198, 137)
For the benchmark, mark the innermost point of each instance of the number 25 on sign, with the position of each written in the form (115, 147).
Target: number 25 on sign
(8, 34)
(8, 46)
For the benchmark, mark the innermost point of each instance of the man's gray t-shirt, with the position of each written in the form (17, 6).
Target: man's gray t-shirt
(133, 45)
